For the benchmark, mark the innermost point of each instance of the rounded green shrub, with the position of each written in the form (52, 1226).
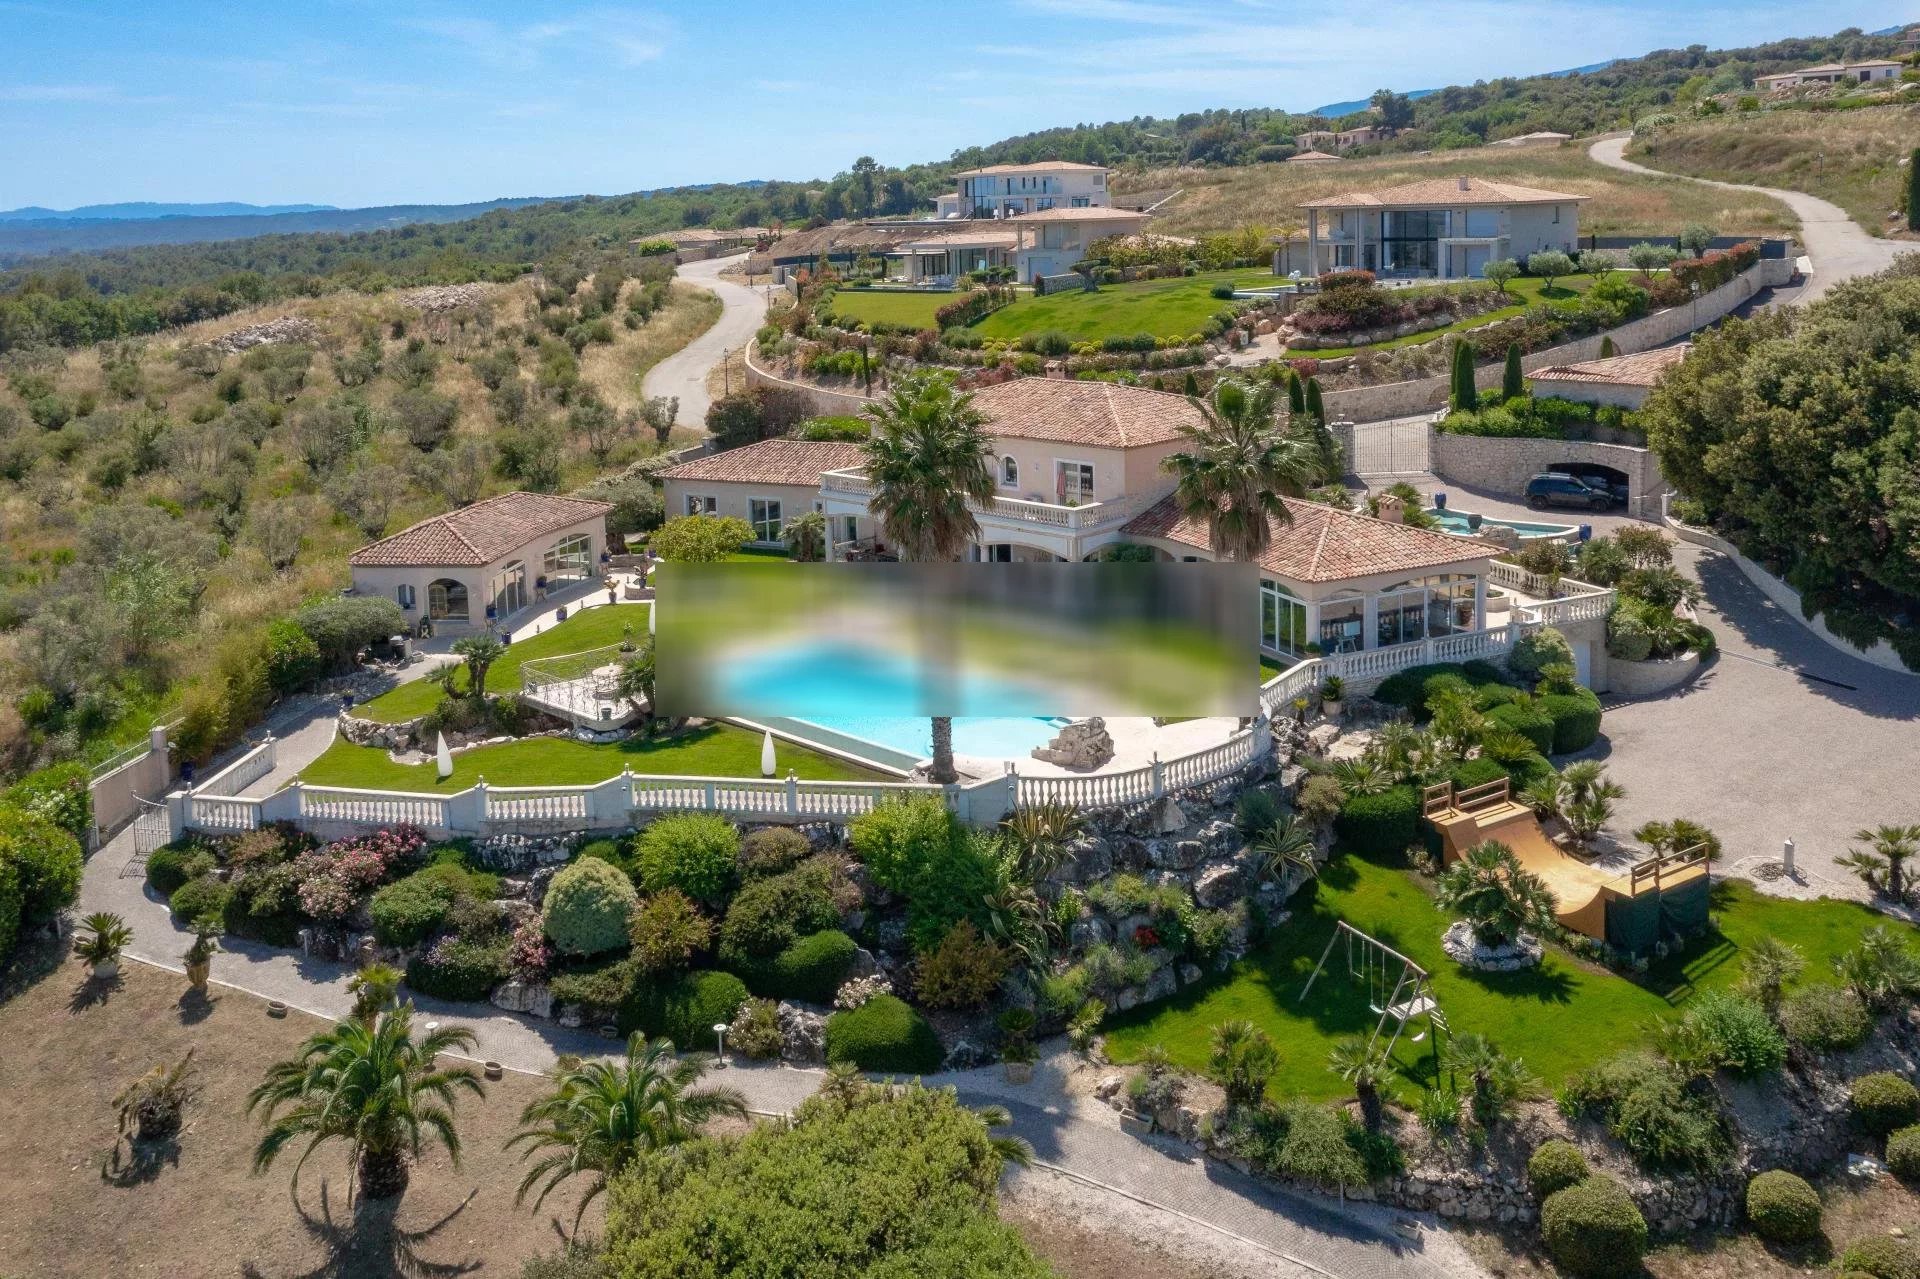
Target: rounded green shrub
(814, 967)
(10, 903)
(407, 911)
(167, 867)
(45, 858)
(1883, 1101)
(608, 851)
(1881, 1256)
(1593, 1230)
(1488, 697)
(586, 908)
(1526, 771)
(456, 968)
(1903, 1153)
(884, 1035)
(769, 915)
(1480, 770)
(1532, 723)
(693, 852)
(1554, 1166)
(1826, 1019)
(1576, 719)
(1537, 650)
(199, 898)
(1783, 1208)
(1482, 674)
(1414, 687)
(772, 850)
(1381, 824)
(684, 1010)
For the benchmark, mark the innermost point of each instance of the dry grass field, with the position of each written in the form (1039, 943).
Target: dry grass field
(1622, 204)
(1849, 157)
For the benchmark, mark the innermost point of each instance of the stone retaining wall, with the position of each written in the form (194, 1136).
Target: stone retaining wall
(825, 402)
(1503, 465)
(1646, 679)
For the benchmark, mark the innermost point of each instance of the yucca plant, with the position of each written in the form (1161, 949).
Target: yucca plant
(373, 1086)
(601, 1116)
(1362, 776)
(1040, 834)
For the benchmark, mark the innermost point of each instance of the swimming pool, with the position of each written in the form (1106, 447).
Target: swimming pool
(991, 736)
(1456, 522)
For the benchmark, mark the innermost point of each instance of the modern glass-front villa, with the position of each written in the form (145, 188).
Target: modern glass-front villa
(1444, 229)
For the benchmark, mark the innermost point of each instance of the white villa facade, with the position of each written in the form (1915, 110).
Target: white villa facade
(1446, 229)
(1080, 467)
(1046, 242)
(1870, 71)
(469, 568)
(1008, 190)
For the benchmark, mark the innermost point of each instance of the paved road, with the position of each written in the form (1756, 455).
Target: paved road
(684, 373)
(1839, 247)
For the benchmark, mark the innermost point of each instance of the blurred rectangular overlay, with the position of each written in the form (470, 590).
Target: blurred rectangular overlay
(831, 640)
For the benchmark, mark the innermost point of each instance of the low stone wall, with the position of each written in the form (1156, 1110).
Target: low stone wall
(1881, 654)
(1404, 399)
(824, 401)
(1503, 465)
(1648, 679)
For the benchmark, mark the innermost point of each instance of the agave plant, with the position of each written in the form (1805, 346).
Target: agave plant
(1285, 849)
(1040, 835)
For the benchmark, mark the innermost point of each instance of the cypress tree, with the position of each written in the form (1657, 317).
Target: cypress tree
(1296, 395)
(1193, 386)
(1465, 398)
(1315, 407)
(1607, 349)
(1513, 383)
(1913, 190)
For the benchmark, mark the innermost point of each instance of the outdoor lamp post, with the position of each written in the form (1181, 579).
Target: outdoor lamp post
(720, 1042)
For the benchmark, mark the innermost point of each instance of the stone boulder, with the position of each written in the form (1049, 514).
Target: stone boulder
(1176, 854)
(965, 1055)
(1088, 858)
(1464, 947)
(1083, 746)
(1219, 883)
(532, 998)
(803, 1034)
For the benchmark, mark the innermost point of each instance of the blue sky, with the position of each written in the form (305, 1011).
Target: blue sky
(353, 102)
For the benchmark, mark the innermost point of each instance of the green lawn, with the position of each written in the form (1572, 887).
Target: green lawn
(716, 750)
(1559, 1018)
(885, 307)
(593, 628)
(1164, 308)
(1527, 291)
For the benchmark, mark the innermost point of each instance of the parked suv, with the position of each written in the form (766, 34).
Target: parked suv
(1596, 476)
(1556, 488)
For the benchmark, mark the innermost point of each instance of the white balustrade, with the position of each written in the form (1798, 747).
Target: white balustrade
(373, 808)
(222, 813)
(241, 773)
(541, 804)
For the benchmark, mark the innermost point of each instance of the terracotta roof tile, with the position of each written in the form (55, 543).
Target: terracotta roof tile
(770, 462)
(1644, 368)
(1100, 414)
(1323, 544)
(1442, 192)
(481, 533)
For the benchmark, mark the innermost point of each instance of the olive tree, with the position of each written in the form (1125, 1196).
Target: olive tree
(1550, 266)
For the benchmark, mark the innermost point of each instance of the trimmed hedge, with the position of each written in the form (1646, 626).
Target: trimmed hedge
(1881, 1256)
(199, 897)
(1576, 719)
(814, 967)
(1555, 1165)
(1883, 1102)
(1409, 688)
(1381, 824)
(1469, 773)
(174, 865)
(1783, 1208)
(1593, 1230)
(884, 1035)
(772, 850)
(1525, 772)
(685, 1010)
(693, 852)
(1903, 1153)
(1533, 723)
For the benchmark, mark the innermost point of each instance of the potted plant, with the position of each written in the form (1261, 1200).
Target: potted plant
(199, 956)
(1332, 690)
(105, 936)
(1017, 1050)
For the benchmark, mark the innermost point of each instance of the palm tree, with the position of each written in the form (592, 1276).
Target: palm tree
(1014, 1150)
(1883, 863)
(373, 990)
(927, 461)
(1497, 1079)
(1879, 969)
(1243, 1060)
(1767, 965)
(372, 1086)
(1286, 848)
(1489, 888)
(1357, 1063)
(1238, 465)
(601, 1116)
(844, 1085)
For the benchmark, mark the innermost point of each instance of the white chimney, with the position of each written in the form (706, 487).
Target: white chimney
(1464, 184)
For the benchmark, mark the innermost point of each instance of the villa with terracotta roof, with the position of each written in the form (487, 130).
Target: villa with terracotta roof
(1867, 71)
(1624, 380)
(485, 562)
(1080, 466)
(1438, 228)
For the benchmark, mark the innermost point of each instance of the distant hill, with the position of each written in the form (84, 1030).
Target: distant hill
(24, 236)
(151, 209)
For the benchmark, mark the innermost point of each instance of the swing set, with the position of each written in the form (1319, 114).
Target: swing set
(1396, 996)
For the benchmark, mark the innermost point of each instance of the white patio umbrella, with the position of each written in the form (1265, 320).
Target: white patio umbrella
(442, 757)
(766, 755)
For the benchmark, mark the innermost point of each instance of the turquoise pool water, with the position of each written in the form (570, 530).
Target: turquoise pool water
(993, 736)
(1456, 522)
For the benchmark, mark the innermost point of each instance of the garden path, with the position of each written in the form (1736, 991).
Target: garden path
(1839, 247)
(684, 373)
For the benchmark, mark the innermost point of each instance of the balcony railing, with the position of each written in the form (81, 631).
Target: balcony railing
(1083, 518)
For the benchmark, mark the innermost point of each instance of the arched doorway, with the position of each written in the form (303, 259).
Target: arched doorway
(447, 600)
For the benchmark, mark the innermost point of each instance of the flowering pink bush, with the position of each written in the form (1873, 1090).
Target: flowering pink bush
(530, 956)
(334, 879)
(326, 898)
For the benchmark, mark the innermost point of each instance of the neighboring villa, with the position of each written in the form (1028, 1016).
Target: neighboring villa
(1867, 72)
(1343, 140)
(485, 562)
(1079, 467)
(1623, 380)
(1439, 228)
(1008, 190)
(1047, 242)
